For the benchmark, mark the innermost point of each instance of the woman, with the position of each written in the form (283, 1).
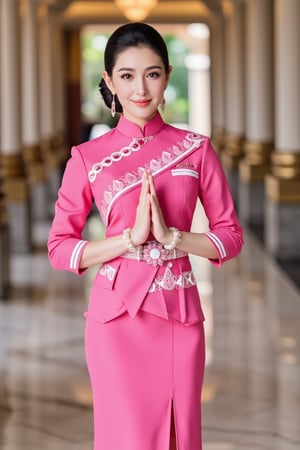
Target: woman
(145, 345)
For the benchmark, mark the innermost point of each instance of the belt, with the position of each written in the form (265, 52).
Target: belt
(154, 254)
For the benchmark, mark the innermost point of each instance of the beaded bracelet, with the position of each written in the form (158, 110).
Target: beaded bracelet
(175, 239)
(128, 241)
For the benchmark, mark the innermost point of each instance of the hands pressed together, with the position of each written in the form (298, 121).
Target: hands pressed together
(149, 216)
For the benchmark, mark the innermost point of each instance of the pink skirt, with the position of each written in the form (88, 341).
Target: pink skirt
(141, 369)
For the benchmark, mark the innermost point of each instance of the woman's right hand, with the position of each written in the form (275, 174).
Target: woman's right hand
(141, 229)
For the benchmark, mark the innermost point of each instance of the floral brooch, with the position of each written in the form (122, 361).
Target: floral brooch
(154, 254)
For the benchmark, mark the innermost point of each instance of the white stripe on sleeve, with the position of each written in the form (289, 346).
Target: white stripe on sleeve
(218, 243)
(75, 254)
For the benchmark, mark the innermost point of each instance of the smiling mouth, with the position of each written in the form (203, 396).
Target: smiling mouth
(142, 103)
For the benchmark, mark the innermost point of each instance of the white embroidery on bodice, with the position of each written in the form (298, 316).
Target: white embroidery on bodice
(134, 146)
(155, 165)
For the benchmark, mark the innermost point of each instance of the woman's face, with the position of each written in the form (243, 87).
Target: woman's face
(139, 80)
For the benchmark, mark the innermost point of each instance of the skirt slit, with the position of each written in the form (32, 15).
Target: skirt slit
(173, 434)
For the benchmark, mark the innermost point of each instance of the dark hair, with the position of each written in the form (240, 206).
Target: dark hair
(130, 35)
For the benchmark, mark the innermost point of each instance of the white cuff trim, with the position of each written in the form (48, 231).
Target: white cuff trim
(218, 243)
(75, 254)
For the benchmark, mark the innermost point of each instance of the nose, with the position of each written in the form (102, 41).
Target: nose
(141, 88)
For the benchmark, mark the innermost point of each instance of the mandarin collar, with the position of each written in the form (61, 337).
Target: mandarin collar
(133, 130)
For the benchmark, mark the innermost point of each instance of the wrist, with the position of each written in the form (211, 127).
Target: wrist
(175, 237)
(129, 242)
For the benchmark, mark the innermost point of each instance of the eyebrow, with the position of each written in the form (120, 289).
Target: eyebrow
(129, 69)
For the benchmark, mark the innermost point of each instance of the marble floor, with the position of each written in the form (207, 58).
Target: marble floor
(251, 397)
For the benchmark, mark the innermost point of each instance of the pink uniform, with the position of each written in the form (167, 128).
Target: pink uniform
(144, 336)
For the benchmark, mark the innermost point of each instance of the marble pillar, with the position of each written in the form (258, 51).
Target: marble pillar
(234, 93)
(282, 212)
(59, 79)
(50, 136)
(199, 93)
(4, 250)
(217, 82)
(15, 186)
(73, 66)
(259, 107)
(35, 167)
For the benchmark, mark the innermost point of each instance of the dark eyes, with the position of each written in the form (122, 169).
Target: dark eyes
(153, 75)
(126, 76)
(129, 76)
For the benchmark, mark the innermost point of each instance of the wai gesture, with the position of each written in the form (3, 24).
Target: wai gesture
(149, 216)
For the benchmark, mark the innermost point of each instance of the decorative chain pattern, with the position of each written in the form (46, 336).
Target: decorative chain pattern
(134, 146)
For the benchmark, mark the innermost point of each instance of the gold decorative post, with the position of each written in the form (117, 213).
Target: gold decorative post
(218, 139)
(233, 151)
(283, 183)
(256, 163)
(4, 246)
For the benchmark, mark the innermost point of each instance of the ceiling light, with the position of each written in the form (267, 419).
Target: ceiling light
(136, 10)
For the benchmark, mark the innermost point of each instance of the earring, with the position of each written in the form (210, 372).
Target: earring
(162, 105)
(113, 106)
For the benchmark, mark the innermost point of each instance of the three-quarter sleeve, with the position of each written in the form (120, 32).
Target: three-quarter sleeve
(65, 242)
(225, 231)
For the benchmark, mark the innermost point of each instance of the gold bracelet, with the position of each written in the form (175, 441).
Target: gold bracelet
(128, 241)
(175, 239)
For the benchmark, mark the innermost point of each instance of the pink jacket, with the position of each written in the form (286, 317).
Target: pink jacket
(108, 170)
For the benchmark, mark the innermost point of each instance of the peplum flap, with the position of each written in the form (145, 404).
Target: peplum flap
(125, 285)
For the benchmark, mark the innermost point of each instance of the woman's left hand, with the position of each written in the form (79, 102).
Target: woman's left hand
(158, 225)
